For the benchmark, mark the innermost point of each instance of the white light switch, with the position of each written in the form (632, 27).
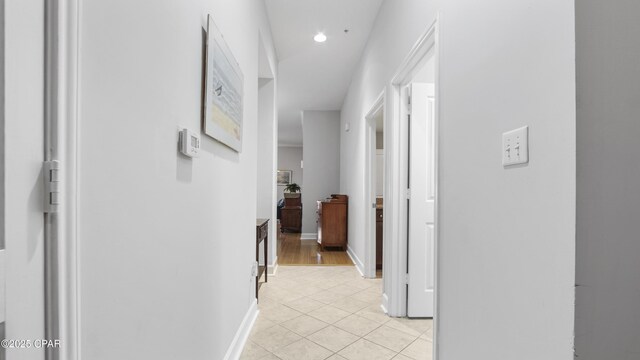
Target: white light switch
(515, 146)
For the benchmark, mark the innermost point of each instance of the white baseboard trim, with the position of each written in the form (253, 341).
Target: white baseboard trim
(309, 236)
(237, 345)
(356, 260)
(385, 303)
(3, 277)
(272, 269)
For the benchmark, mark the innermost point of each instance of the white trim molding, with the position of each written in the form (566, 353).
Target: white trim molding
(356, 261)
(309, 236)
(273, 268)
(240, 339)
(385, 303)
(3, 277)
(397, 171)
(62, 303)
(369, 266)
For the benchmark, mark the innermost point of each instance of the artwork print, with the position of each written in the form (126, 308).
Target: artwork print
(224, 91)
(284, 177)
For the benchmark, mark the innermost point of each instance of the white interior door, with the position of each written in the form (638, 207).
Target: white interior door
(420, 297)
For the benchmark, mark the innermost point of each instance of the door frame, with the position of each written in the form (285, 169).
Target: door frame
(370, 189)
(272, 261)
(397, 173)
(62, 64)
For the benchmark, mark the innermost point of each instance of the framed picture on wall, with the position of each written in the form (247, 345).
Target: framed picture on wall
(284, 177)
(223, 91)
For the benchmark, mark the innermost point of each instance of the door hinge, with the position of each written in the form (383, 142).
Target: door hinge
(406, 279)
(409, 104)
(408, 194)
(52, 197)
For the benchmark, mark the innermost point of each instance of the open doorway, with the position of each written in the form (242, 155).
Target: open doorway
(266, 167)
(411, 278)
(419, 97)
(374, 198)
(312, 213)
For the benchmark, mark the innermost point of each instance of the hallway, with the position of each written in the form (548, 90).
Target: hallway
(331, 312)
(485, 154)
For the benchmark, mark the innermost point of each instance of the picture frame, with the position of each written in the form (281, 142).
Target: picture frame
(284, 177)
(223, 107)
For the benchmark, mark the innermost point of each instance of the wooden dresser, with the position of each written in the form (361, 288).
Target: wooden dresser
(291, 215)
(332, 221)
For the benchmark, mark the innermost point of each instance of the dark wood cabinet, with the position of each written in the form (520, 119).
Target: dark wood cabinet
(379, 232)
(332, 221)
(291, 215)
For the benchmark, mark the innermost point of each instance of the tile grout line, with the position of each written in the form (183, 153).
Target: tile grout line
(282, 296)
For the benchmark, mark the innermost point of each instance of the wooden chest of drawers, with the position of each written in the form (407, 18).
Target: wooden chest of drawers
(332, 222)
(291, 215)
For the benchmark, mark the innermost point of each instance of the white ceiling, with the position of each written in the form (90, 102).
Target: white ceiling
(316, 76)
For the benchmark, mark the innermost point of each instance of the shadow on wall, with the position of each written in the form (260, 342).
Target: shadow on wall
(184, 166)
(35, 234)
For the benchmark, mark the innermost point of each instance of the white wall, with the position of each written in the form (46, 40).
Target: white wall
(507, 237)
(321, 154)
(24, 224)
(289, 158)
(608, 201)
(166, 242)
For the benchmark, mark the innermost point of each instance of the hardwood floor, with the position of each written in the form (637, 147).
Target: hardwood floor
(293, 251)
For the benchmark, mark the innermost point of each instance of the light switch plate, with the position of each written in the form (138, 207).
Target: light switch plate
(515, 146)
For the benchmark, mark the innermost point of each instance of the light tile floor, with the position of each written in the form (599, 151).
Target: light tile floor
(330, 312)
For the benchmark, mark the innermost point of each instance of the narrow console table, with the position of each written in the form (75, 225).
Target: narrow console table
(262, 235)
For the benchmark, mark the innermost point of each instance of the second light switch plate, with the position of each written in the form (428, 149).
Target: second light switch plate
(515, 146)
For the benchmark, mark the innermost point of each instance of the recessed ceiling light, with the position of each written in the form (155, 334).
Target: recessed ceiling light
(320, 37)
